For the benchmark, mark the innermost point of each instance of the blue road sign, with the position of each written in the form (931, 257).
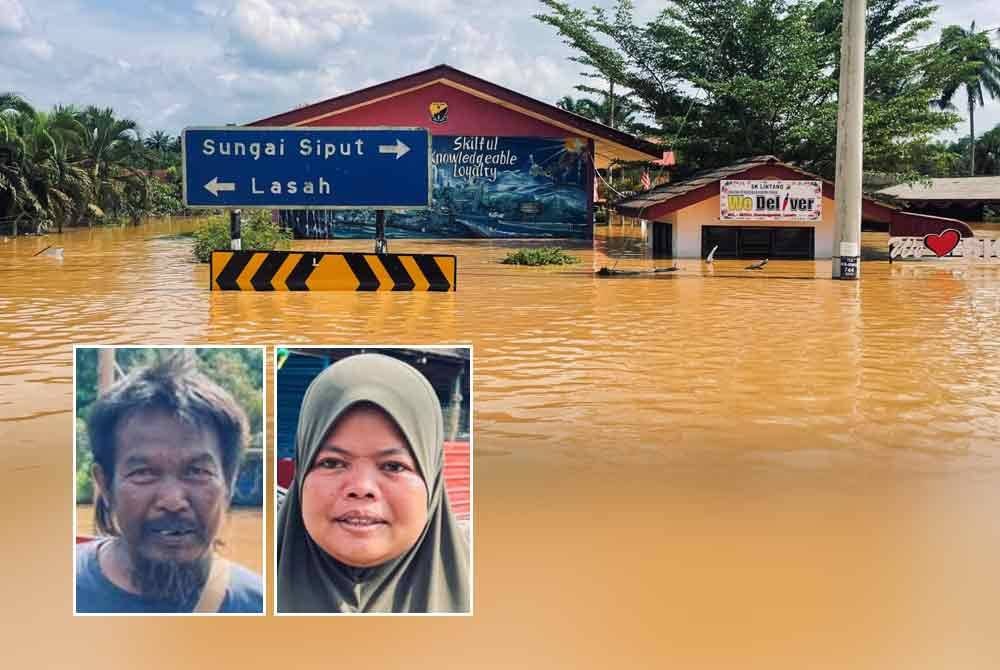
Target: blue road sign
(317, 168)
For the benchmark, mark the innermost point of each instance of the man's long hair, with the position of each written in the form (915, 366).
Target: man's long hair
(176, 387)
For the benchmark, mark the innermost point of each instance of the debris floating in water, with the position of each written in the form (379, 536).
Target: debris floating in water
(605, 271)
(51, 251)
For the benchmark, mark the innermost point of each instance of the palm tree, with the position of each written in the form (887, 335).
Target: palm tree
(620, 110)
(158, 141)
(41, 180)
(109, 142)
(14, 190)
(624, 110)
(976, 64)
(68, 165)
(989, 144)
(579, 106)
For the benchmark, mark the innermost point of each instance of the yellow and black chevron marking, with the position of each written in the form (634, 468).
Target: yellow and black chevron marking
(331, 271)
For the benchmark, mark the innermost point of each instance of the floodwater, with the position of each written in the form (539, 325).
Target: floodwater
(712, 467)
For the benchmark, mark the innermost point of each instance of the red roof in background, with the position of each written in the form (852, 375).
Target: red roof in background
(474, 85)
(673, 196)
(662, 200)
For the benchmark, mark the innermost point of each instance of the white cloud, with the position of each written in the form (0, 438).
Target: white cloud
(277, 34)
(216, 61)
(986, 14)
(13, 18)
(163, 116)
(208, 9)
(435, 8)
(37, 47)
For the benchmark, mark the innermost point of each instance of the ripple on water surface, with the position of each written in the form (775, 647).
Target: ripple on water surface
(708, 357)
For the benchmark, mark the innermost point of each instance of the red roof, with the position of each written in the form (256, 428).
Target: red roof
(662, 200)
(613, 142)
(673, 196)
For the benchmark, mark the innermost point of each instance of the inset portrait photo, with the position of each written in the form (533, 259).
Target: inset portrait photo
(169, 473)
(374, 480)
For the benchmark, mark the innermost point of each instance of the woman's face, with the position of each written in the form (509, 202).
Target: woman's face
(363, 499)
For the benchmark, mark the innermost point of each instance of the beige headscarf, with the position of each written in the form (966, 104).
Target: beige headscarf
(433, 576)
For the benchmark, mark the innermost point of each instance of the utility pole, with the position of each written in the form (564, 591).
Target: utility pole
(850, 147)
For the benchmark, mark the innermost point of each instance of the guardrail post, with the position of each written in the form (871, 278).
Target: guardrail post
(381, 244)
(235, 230)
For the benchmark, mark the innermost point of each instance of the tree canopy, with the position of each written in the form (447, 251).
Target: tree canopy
(726, 79)
(973, 67)
(73, 166)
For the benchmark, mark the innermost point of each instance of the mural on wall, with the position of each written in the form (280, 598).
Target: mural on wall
(482, 187)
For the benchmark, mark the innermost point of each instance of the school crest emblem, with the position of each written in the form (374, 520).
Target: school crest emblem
(439, 112)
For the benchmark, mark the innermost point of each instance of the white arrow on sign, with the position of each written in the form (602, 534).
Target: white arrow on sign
(398, 148)
(215, 186)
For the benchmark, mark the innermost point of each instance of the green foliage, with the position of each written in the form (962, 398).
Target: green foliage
(612, 109)
(238, 370)
(74, 166)
(165, 198)
(540, 256)
(973, 66)
(84, 461)
(256, 228)
(727, 79)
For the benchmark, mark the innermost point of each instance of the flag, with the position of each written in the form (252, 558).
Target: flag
(646, 183)
(668, 159)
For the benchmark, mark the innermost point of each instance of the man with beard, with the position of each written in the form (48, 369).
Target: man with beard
(167, 443)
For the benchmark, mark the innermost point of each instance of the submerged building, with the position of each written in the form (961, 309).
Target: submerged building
(963, 198)
(758, 208)
(504, 165)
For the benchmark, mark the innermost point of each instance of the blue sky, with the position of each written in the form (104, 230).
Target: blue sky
(206, 62)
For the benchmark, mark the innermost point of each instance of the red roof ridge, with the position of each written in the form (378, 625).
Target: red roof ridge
(425, 77)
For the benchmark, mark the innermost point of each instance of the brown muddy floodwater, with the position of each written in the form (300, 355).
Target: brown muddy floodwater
(707, 468)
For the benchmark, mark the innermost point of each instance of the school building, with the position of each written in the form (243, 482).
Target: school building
(758, 208)
(504, 165)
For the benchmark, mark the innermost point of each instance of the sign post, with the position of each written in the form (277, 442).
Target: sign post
(381, 244)
(235, 232)
(377, 169)
(307, 168)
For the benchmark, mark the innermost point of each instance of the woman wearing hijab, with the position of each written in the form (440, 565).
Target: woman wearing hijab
(366, 525)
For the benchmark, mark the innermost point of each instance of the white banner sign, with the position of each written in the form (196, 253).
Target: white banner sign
(770, 199)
